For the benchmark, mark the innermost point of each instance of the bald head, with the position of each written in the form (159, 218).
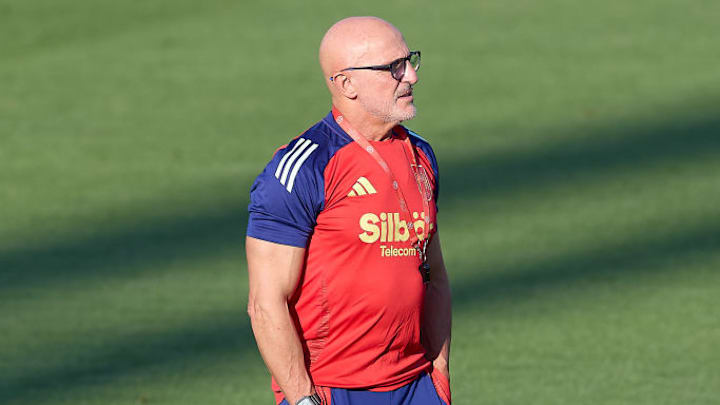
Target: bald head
(357, 41)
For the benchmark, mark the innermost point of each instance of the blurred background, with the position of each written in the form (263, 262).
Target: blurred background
(579, 151)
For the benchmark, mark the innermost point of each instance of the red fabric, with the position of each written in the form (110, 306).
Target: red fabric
(359, 302)
(442, 385)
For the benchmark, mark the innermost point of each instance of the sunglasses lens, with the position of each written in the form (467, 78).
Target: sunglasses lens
(398, 69)
(415, 60)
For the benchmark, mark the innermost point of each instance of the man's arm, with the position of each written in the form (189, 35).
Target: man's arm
(437, 317)
(274, 271)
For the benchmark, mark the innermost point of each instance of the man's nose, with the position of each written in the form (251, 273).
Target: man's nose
(410, 75)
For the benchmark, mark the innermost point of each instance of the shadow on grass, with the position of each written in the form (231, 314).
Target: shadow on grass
(124, 252)
(600, 155)
(179, 350)
(654, 255)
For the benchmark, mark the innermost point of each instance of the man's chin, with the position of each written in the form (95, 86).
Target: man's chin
(408, 113)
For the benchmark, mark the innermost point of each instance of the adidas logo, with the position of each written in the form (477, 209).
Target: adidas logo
(361, 187)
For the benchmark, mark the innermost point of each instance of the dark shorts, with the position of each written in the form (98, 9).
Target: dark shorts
(421, 391)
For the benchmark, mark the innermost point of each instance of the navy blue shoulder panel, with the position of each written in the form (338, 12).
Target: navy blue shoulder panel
(288, 195)
(425, 147)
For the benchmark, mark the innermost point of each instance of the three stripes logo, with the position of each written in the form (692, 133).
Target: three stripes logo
(361, 187)
(290, 164)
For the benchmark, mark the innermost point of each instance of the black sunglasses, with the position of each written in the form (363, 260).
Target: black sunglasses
(396, 67)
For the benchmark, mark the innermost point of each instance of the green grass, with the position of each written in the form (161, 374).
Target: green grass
(579, 146)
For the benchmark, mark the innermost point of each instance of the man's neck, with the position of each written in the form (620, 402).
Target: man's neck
(373, 132)
(372, 128)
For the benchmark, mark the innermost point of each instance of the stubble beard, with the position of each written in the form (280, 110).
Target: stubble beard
(404, 115)
(391, 111)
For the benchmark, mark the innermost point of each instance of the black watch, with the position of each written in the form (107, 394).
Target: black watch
(313, 399)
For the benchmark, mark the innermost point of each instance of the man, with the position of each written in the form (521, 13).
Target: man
(349, 298)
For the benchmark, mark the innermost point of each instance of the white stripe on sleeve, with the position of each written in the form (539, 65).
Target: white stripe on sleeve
(289, 163)
(297, 166)
(287, 155)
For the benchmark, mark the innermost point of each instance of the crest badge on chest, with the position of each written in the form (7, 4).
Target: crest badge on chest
(423, 181)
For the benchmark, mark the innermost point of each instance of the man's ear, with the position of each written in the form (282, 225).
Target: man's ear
(345, 86)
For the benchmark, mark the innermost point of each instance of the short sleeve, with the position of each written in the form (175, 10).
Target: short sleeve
(287, 196)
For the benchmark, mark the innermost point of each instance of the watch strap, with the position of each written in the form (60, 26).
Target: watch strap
(313, 399)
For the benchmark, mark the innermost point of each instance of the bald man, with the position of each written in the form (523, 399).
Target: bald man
(349, 297)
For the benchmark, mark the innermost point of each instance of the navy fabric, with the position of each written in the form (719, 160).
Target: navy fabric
(419, 392)
(288, 195)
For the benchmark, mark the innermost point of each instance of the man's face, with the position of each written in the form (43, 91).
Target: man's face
(379, 93)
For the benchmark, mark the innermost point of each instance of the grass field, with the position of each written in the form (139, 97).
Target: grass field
(579, 148)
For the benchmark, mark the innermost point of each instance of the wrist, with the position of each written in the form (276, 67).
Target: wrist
(295, 393)
(313, 399)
